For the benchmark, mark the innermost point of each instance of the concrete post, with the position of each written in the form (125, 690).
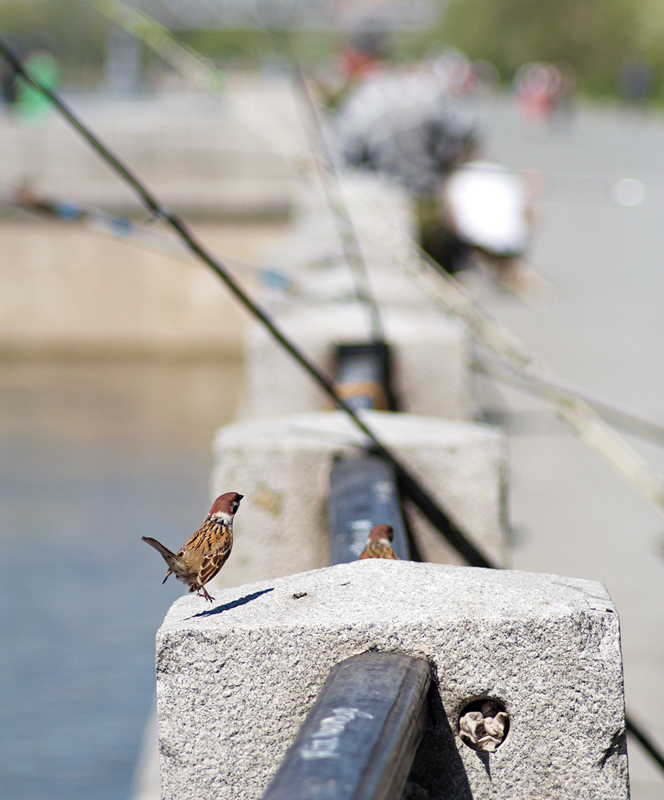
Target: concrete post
(431, 356)
(282, 467)
(431, 351)
(236, 680)
(314, 247)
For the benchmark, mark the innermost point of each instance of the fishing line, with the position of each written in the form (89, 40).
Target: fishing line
(407, 482)
(542, 384)
(199, 70)
(331, 183)
(119, 227)
(205, 75)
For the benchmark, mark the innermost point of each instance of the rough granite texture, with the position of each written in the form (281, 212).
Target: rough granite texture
(282, 467)
(236, 679)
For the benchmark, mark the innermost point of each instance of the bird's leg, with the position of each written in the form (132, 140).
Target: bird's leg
(202, 592)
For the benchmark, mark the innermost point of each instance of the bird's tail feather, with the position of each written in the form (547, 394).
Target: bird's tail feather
(168, 555)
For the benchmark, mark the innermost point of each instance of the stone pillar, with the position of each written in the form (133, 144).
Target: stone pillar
(282, 467)
(237, 678)
(430, 354)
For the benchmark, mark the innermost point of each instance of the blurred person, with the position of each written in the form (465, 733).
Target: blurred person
(463, 77)
(635, 81)
(563, 100)
(8, 82)
(407, 125)
(535, 88)
(31, 105)
(456, 72)
(366, 50)
(544, 92)
(366, 53)
(485, 77)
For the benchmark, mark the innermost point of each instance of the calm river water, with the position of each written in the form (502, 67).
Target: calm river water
(92, 456)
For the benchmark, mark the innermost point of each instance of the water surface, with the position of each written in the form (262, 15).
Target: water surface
(93, 455)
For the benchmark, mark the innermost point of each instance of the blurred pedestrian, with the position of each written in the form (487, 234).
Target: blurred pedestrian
(365, 54)
(635, 81)
(31, 105)
(8, 83)
(405, 124)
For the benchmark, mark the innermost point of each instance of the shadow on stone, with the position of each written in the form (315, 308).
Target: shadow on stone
(618, 747)
(485, 758)
(241, 601)
(438, 771)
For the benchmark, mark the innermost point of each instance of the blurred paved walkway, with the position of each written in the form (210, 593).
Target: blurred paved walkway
(571, 514)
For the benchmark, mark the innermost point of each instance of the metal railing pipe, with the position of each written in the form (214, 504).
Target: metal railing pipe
(363, 493)
(359, 740)
(364, 375)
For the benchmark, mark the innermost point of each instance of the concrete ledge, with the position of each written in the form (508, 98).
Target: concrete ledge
(236, 680)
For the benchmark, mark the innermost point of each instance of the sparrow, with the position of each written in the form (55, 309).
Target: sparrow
(379, 543)
(207, 550)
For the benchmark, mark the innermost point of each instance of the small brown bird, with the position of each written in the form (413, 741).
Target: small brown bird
(208, 549)
(379, 543)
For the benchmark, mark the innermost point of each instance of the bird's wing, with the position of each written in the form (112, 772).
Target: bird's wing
(387, 552)
(212, 563)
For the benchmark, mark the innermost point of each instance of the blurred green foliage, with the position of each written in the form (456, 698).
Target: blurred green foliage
(72, 30)
(592, 37)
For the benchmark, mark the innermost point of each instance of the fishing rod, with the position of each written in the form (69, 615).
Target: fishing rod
(205, 75)
(409, 484)
(331, 183)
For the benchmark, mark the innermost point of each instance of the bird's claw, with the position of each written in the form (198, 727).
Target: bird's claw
(202, 592)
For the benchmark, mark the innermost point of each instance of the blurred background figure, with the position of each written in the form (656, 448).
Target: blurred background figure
(122, 63)
(410, 124)
(463, 77)
(407, 125)
(30, 104)
(635, 82)
(366, 53)
(367, 50)
(544, 92)
(456, 72)
(8, 85)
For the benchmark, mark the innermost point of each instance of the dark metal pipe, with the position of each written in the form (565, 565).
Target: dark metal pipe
(364, 375)
(363, 493)
(359, 740)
